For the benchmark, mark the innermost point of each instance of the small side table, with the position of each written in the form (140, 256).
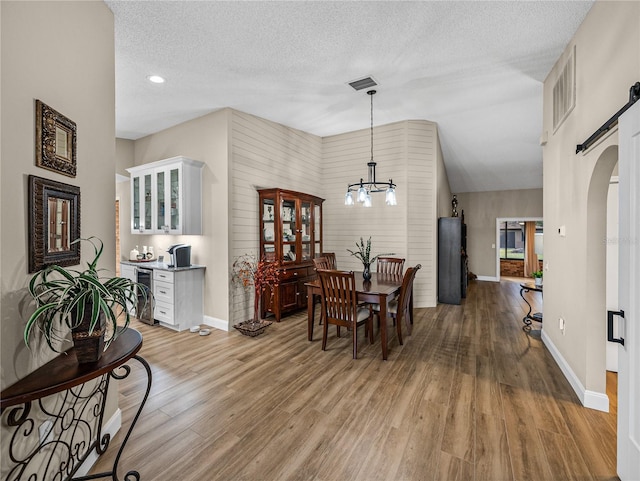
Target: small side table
(75, 419)
(536, 316)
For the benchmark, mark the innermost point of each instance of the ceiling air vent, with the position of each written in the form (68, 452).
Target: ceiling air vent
(564, 91)
(363, 83)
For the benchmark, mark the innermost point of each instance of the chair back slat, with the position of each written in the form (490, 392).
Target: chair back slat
(390, 265)
(322, 263)
(331, 257)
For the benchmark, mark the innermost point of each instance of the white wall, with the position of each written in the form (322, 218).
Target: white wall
(481, 209)
(575, 185)
(63, 54)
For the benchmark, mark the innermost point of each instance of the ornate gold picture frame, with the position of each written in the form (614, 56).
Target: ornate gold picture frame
(54, 223)
(55, 140)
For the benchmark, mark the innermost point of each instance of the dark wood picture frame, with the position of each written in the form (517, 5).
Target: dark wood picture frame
(54, 223)
(55, 140)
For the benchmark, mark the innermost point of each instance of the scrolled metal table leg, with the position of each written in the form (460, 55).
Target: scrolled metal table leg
(130, 475)
(526, 319)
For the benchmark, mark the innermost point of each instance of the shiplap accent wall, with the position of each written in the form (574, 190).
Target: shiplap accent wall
(264, 154)
(407, 152)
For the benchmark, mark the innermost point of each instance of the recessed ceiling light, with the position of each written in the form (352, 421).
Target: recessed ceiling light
(156, 79)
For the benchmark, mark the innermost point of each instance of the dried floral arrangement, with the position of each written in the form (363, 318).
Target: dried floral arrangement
(247, 271)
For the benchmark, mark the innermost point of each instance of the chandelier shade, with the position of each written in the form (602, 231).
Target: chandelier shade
(364, 188)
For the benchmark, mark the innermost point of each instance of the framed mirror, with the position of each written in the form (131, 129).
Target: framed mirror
(54, 223)
(55, 140)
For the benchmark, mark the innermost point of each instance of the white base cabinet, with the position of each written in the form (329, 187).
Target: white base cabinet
(129, 272)
(178, 298)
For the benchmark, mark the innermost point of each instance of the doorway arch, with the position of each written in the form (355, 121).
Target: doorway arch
(595, 295)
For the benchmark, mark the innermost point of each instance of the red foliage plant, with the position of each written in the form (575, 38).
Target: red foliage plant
(247, 271)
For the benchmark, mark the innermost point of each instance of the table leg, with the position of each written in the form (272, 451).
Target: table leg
(527, 318)
(310, 313)
(122, 372)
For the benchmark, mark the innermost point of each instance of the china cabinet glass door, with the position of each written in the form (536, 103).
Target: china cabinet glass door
(289, 230)
(317, 229)
(268, 230)
(306, 232)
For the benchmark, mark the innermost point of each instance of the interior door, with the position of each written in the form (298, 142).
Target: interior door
(628, 288)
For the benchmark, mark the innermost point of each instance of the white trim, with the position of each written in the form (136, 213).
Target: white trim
(497, 249)
(216, 323)
(111, 427)
(488, 278)
(589, 399)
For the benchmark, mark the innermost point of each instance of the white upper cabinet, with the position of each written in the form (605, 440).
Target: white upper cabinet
(166, 197)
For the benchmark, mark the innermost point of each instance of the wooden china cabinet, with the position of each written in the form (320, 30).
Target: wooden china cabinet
(291, 235)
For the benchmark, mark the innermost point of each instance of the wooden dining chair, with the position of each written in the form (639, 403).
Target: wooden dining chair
(398, 308)
(331, 256)
(340, 306)
(322, 262)
(390, 265)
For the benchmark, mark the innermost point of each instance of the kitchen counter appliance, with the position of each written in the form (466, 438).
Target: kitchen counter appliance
(144, 309)
(180, 255)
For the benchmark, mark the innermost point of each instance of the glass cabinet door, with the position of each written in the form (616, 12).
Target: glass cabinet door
(147, 202)
(289, 230)
(175, 198)
(135, 201)
(306, 231)
(160, 201)
(268, 230)
(317, 226)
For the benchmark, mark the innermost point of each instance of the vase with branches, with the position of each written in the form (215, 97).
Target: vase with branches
(364, 254)
(249, 272)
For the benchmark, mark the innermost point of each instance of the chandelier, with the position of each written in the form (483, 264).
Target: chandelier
(364, 189)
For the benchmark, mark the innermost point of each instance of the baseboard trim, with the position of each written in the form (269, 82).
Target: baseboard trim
(217, 323)
(589, 399)
(111, 427)
(487, 278)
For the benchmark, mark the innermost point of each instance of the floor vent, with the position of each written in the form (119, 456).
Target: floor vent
(363, 83)
(564, 91)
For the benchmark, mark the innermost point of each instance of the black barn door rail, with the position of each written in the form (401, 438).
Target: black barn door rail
(634, 96)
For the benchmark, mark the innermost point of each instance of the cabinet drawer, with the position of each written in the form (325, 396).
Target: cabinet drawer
(163, 312)
(297, 273)
(159, 275)
(163, 292)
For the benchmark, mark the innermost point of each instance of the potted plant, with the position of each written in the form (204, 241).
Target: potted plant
(364, 254)
(248, 272)
(82, 301)
(537, 276)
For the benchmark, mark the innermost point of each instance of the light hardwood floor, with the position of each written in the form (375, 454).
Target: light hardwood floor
(470, 396)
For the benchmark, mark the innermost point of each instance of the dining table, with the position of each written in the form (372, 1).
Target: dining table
(380, 289)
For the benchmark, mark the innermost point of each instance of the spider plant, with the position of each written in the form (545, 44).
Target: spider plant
(61, 296)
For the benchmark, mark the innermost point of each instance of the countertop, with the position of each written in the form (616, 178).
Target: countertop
(161, 266)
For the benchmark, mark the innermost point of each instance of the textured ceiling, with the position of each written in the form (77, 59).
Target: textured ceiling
(476, 68)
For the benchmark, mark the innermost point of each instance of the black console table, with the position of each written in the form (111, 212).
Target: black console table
(536, 316)
(54, 438)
